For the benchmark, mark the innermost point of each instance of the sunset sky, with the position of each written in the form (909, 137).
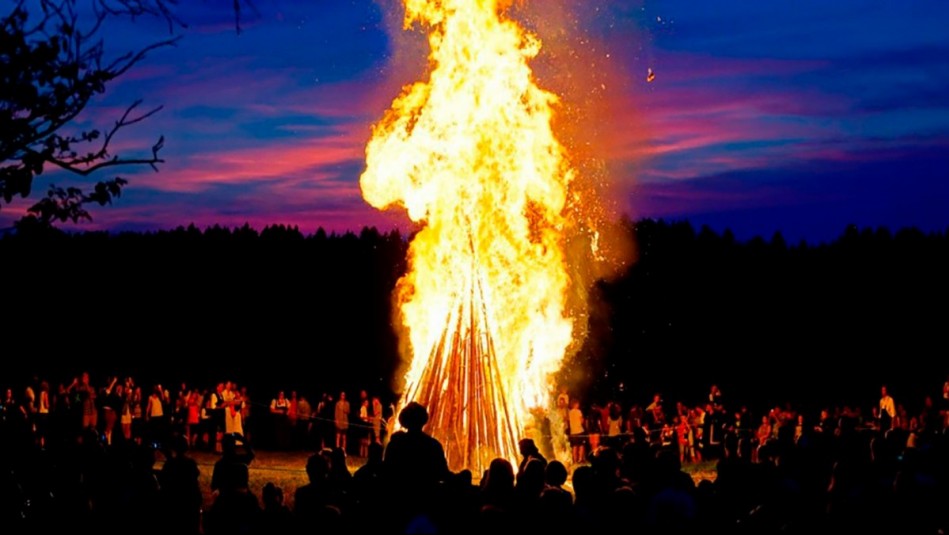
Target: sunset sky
(795, 116)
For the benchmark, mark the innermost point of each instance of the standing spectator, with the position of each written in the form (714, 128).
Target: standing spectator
(86, 395)
(124, 410)
(279, 408)
(233, 421)
(682, 438)
(575, 427)
(696, 417)
(327, 426)
(180, 415)
(388, 423)
(715, 397)
(205, 422)
(293, 415)
(216, 409)
(341, 419)
(634, 420)
(592, 426)
(304, 423)
(714, 430)
(614, 426)
(138, 413)
(8, 405)
(763, 435)
(563, 401)
(245, 412)
(656, 415)
(376, 420)
(42, 414)
(799, 428)
(365, 427)
(155, 416)
(29, 403)
(111, 404)
(887, 410)
(193, 418)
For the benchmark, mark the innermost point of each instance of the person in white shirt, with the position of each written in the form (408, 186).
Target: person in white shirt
(887, 410)
(233, 421)
(280, 409)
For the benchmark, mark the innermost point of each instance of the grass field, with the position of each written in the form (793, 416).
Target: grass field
(286, 470)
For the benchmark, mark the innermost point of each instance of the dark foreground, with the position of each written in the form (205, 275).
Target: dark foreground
(834, 480)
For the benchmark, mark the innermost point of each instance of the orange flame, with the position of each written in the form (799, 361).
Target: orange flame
(472, 156)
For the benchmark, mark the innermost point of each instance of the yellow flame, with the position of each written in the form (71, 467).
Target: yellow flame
(472, 156)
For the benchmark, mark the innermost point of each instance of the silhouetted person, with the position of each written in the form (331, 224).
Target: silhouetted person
(529, 485)
(180, 494)
(414, 462)
(498, 486)
(314, 503)
(276, 517)
(142, 494)
(555, 507)
(528, 451)
(458, 504)
(232, 465)
(368, 492)
(555, 476)
(587, 511)
(236, 509)
(369, 475)
(412, 456)
(340, 476)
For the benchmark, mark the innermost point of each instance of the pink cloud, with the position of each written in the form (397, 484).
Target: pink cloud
(314, 158)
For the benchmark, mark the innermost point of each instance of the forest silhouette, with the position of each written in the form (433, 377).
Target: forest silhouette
(767, 320)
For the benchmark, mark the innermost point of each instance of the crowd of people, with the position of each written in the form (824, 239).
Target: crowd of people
(120, 410)
(84, 457)
(697, 431)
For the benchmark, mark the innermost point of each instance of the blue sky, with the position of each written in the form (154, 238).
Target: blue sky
(799, 116)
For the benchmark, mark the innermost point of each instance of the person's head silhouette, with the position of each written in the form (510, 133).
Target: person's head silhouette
(413, 417)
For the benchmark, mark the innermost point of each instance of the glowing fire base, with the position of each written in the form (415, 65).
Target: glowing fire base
(461, 386)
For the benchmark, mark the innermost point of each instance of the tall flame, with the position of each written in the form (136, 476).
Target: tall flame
(472, 156)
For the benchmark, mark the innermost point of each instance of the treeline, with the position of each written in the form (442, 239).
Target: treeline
(769, 321)
(766, 320)
(273, 307)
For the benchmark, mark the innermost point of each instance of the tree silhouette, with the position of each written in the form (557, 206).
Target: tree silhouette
(54, 62)
(699, 306)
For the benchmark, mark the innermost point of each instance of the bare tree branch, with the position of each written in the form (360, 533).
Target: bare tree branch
(102, 165)
(130, 60)
(54, 65)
